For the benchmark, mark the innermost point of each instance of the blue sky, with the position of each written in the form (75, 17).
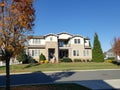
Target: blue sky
(84, 17)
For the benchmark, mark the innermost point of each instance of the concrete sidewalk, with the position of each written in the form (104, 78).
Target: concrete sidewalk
(113, 84)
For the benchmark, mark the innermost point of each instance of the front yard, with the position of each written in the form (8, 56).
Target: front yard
(59, 67)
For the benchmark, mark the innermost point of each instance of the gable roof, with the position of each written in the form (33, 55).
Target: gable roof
(64, 33)
(51, 34)
(38, 37)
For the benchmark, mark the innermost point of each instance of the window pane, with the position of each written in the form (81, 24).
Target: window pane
(77, 52)
(35, 52)
(75, 41)
(78, 40)
(32, 52)
(87, 53)
(74, 53)
(38, 52)
(84, 53)
(50, 38)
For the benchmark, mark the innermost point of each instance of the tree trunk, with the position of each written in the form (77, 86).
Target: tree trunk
(7, 73)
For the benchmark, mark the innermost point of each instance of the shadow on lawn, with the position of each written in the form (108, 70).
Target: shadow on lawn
(31, 65)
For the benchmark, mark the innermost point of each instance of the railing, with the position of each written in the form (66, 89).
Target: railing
(65, 45)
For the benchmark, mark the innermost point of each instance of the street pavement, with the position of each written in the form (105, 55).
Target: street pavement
(94, 79)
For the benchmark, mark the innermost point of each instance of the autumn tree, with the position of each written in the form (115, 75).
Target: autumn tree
(116, 46)
(16, 21)
(97, 53)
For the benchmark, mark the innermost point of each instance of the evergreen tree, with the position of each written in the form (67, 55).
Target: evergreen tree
(42, 57)
(21, 57)
(97, 53)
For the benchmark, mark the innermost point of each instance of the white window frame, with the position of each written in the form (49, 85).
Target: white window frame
(76, 53)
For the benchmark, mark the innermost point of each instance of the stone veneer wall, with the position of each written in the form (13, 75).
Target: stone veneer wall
(52, 45)
(81, 54)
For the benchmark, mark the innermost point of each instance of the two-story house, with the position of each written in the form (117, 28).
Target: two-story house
(60, 45)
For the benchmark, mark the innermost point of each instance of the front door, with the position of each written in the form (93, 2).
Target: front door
(63, 53)
(51, 53)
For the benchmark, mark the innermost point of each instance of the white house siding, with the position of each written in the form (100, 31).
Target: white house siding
(81, 40)
(40, 42)
(79, 49)
(64, 36)
(51, 38)
(87, 54)
(50, 41)
(36, 52)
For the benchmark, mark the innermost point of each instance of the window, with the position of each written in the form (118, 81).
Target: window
(76, 41)
(51, 38)
(35, 52)
(36, 41)
(86, 53)
(32, 52)
(75, 52)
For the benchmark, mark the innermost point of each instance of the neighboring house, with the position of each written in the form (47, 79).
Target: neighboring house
(60, 45)
(109, 54)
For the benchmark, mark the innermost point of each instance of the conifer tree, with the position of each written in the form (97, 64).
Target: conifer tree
(97, 53)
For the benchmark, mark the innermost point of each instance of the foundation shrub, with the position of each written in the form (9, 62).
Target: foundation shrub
(77, 60)
(66, 59)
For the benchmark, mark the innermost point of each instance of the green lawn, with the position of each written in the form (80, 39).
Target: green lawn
(59, 67)
(65, 86)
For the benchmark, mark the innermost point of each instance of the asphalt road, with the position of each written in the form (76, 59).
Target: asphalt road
(56, 77)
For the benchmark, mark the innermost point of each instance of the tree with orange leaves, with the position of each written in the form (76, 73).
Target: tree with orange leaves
(116, 46)
(16, 21)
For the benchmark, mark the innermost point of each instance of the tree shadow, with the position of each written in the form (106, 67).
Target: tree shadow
(59, 75)
(31, 65)
(116, 63)
(34, 78)
(50, 78)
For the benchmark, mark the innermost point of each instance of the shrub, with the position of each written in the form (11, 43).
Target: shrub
(108, 61)
(88, 60)
(111, 58)
(42, 57)
(31, 60)
(83, 60)
(77, 60)
(46, 61)
(66, 59)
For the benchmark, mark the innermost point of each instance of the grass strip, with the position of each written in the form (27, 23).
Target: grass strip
(66, 86)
